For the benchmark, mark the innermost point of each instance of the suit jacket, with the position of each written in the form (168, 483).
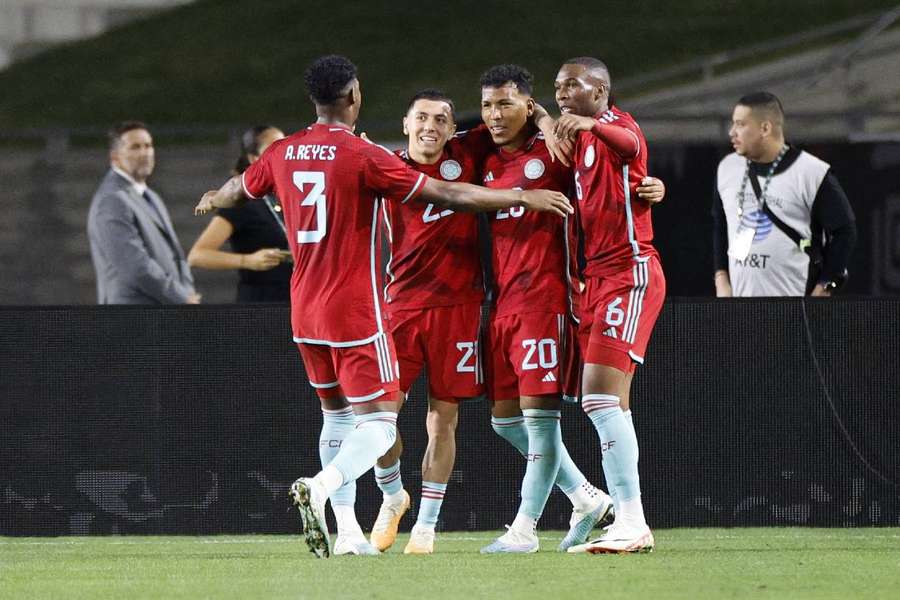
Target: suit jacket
(137, 256)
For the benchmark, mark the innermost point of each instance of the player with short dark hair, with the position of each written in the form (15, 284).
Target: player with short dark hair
(625, 283)
(331, 184)
(433, 299)
(531, 358)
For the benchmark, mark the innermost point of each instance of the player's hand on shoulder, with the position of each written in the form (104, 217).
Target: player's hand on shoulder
(560, 150)
(547, 201)
(569, 125)
(206, 203)
(651, 190)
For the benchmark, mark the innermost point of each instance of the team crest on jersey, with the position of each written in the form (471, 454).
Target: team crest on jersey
(589, 157)
(450, 170)
(534, 168)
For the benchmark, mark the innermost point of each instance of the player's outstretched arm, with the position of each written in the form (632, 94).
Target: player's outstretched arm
(230, 194)
(465, 197)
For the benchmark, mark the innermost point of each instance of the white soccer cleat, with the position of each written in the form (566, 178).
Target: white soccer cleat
(421, 541)
(582, 523)
(619, 539)
(513, 542)
(309, 497)
(384, 532)
(354, 544)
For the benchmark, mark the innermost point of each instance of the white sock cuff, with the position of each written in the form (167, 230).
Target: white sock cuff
(595, 402)
(540, 413)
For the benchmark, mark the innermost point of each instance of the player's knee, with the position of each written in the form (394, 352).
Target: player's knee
(441, 425)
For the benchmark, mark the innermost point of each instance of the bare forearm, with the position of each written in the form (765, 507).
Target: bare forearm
(207, 258)
(465, 197)
(229, 195)
(723, 284)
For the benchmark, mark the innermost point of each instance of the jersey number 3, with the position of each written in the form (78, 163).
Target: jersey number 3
(314, 197)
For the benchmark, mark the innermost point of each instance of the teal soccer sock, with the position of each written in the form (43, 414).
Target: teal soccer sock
(388, 479)
(513, 430)
(544, 444)
(374, 434)
(430, 507)
(617, 442)
(337, 425)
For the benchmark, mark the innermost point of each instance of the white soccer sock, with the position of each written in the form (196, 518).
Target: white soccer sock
(585, 497)
(632, 513)
(331, 478)
(524, 524)
(346, 520)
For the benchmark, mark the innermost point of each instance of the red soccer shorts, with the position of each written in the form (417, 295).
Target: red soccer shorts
(531, 354)
(618, 315)
(444, 341)
(357, 373)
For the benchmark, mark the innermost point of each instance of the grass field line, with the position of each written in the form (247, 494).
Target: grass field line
(445, 537)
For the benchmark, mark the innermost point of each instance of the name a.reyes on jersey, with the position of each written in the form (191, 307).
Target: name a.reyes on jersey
(309, 152)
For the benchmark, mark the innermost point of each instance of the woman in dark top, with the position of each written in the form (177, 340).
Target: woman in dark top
(259, 249)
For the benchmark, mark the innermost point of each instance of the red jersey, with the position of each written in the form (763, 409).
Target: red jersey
(330, 183)
(434, 252)
(533, 252)
(616, 223)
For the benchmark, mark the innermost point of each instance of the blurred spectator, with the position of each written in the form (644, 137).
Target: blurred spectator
(136, 254)
(256, 234)
(782, 224)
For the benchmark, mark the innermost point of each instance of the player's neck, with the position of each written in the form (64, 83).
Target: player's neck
(602, 108)
(421, 158)
(519, 140)
(329, 116)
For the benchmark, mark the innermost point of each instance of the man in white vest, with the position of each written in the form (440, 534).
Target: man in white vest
(782, 224)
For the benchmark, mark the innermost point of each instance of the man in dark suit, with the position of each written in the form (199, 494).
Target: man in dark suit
(136, 254)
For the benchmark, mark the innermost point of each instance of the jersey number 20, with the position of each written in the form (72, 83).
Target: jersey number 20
(315, 197)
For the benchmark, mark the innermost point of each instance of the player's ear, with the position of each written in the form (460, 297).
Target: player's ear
(405, 130)
(531, 104)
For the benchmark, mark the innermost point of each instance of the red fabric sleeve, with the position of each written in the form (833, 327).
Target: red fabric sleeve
(389, 176)
(620, 138)
(257, 180)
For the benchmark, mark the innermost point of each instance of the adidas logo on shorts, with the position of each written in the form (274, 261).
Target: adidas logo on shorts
(611, 332)
(549, 377)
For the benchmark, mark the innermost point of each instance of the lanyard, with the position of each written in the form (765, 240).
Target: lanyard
(746, 179)
(275, 209)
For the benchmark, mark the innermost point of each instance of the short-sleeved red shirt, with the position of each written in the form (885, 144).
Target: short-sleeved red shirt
(533, 252)
(330, 183)
(434, 252)
(617, 225)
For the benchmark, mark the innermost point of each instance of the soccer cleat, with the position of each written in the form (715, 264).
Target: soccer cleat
(421, 541)
(581, 524)
(309, 497)
(355, 544)
(512, 542)
(384, 532)
(619, 539)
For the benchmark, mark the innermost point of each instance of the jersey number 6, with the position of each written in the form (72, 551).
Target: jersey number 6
(315, 197)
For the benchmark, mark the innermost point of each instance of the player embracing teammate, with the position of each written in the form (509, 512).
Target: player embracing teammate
(625, 285)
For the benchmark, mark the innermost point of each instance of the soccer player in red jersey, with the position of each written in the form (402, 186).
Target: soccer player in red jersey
(331, 183)
(433, 299)
(531, 354)
(625, 283)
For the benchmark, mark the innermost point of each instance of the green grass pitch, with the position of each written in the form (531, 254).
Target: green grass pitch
(688, 563)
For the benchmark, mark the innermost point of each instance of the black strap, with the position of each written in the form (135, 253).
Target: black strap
(810, 247)
(784, 227)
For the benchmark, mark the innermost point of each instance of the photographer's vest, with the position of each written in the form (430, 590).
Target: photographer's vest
(775, 266)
